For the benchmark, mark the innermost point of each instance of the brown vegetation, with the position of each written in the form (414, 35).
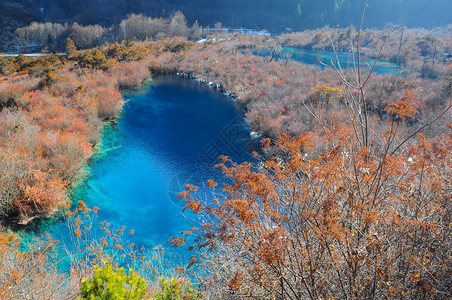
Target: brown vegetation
(50, 116)
(358, 208)
(350, 205)
(416, 50)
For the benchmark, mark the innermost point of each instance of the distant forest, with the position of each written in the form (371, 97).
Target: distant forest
(273, 15)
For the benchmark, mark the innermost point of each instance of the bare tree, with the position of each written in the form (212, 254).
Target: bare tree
(41, 35)
(141, 27)
(178, 25)
(87, 36)
(197, 30)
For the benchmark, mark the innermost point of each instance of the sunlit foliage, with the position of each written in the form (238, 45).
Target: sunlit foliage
(108, 283)
(328, 217)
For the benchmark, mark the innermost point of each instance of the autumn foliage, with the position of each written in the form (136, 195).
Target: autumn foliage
(282, 97)
(51, 115)
(28, 273)
(356, 206)
(349, 200)
(328, 217)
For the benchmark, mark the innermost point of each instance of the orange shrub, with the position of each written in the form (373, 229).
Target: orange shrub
(342, 219)
(10, 91)
(109, 102)
(42, 193)
(129, 75)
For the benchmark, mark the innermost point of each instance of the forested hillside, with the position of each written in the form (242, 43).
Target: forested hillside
(275, 16)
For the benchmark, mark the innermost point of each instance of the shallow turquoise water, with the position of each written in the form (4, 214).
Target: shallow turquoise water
(347, 60)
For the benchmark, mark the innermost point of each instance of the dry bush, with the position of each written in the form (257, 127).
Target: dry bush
(14, 87)
(129, 75)
(42, 195)
(16, 156)
(329, 217)
(31, 274)
(47, 135)
(358, 208)
(108, 101)
(67, 157)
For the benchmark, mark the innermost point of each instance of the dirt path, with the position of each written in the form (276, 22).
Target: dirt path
(29, 54)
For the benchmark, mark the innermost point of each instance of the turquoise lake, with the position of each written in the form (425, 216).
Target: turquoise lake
(169, 135)
(347, 60)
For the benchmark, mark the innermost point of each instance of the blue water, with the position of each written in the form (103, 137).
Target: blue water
(169, 135)
(346, 59)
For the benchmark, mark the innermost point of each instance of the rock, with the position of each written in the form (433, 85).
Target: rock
(255, 135)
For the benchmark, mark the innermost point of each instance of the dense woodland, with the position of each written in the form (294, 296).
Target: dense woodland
(351, 200)
(274, 16)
